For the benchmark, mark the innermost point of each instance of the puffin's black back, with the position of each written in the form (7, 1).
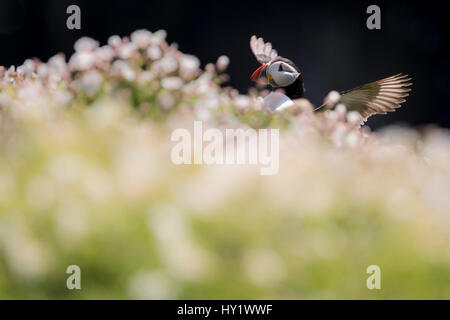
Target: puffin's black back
(295, 90)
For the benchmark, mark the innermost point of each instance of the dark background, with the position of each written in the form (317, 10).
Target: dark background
(328, 40)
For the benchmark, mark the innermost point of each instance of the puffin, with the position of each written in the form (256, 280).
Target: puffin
(285, 78)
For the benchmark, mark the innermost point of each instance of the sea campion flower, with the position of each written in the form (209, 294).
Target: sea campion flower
(242, 101)
(354, 117)
(27, 68)
(332, 97)
(142, 38)
(105, 53)
(42, 71)
(189, 64)
(172, 83)
(58, 67)
(85, 44)
(222, 63)
(82, 60)
(154, 52)
(127, 50)
(158, 37)
(123, 70)
(91, 81)
(114, 41)
(341, 109)
(166, 100)
(167, 64)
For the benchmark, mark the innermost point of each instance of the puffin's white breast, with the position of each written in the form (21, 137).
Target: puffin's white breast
(277, 101)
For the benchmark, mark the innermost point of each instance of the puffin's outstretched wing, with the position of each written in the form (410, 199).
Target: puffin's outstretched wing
(377, 97)
(262, 51)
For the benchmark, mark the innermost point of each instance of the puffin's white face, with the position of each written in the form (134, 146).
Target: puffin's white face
(281, 74)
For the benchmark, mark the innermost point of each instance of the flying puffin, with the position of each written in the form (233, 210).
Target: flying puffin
(377, 97)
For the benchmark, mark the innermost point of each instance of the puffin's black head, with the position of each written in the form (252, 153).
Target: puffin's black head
(280, 72)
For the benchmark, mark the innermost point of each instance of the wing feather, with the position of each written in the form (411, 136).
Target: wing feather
(379, 97)
(262, 51)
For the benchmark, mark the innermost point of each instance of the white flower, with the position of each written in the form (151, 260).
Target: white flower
(31, 92)
(222, 63)
(189, 63)
(11, 72)
(158, 37)
(172, 83)
(27, 68)
(154, 52)
(166, 100)
(203, 83)
(127, 50)
(338, 135)
(341, 109)
(20, 71)
(242, 101)
(105, 53)
(58, 66)
(167, 64)
(141, 38)
(85, 44)
(124, 70)
(352, 139)
(42, 70)
(333, 97)
(332, 115)
(146, 76)
(62, 98)
(114, 41)
(82, 60)
(91, 81)
(354, 117)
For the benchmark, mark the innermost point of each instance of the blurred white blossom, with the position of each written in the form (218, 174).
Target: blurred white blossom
(82, 60)
(114, 41)
(91, 81)
(154, 52)
(85, 44)
(172, 83)
(141, 38)
(222, 63)
(127, 50)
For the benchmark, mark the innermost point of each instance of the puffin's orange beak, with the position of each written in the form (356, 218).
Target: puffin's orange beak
(257, 74)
